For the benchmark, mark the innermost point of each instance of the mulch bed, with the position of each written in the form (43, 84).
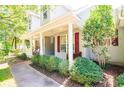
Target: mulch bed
(110, 74)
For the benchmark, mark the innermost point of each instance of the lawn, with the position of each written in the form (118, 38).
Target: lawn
(6, 79)
(5, 74)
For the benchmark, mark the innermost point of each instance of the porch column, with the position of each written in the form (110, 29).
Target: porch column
(31, 46)
(41, 44)
(70, 44)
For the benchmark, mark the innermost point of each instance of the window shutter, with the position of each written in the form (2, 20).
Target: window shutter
(76, 42)
(58, 43)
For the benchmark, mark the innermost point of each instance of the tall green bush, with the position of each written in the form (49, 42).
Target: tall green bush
(85, 71)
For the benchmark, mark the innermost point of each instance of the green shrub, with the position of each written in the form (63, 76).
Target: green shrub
(120, 80)
(64, 67)
(43, 62)
(85, 71)
(50, 63)
(23, 56)
(35, 59)
(53, 63)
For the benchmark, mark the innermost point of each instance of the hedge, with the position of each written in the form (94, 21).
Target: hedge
(50, 63)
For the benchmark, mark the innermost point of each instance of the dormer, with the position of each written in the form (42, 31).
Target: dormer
(33, 21)
(52, 12)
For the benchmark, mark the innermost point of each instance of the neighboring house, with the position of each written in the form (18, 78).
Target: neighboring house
(59, 32)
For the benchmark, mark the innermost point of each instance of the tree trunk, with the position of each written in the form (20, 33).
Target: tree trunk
(15, 43)
(12, 42)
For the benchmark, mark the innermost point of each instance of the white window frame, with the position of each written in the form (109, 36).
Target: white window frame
(66, 43)
(63, 42)
(48, 16)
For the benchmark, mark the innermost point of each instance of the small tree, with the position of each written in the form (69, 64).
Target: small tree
(98, 27)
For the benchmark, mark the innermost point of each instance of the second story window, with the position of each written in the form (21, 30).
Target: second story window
(45, 16)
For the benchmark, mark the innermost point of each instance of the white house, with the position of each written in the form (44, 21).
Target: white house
(59, 32)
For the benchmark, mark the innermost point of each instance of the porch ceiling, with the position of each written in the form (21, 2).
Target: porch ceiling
(57, 25)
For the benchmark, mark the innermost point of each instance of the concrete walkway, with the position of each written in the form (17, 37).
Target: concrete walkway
(27, 76)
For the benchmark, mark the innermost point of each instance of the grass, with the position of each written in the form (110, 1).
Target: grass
(5, 74)
(6, 79)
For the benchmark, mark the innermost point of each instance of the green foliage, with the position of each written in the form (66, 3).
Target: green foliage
(64, 67)
(15, 51)
(98, 26)
(120, 80)
(5, 74)
(44, 61)
(23, 56)
(53, 63)
(2, 55)
(36, 59)
(13, 23)
(50, 63)
(85, 71)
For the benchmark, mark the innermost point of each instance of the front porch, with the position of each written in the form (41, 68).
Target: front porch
(60, 37)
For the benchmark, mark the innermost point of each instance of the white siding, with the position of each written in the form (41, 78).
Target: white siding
(35, 23)
(57, 12)
(84, 15)
(117, 52)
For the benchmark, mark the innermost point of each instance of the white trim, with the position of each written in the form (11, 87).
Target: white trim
(70, 44)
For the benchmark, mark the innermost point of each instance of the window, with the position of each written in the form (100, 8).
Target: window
(45, 16)
(27, 43)
(63, 40)
(64, 43)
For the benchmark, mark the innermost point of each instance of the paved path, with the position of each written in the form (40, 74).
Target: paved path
(27, 76)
